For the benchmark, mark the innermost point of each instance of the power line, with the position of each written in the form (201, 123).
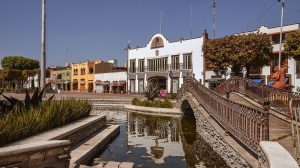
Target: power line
(262, 15)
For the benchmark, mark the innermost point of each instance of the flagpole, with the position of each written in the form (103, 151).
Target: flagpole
(280, 40)
(43, 54)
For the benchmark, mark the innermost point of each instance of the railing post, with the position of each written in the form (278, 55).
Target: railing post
(227, 94)
(266, 107)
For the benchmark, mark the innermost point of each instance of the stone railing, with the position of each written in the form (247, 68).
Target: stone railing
(273, 155)
(53, 153)
(278, 98)
(248, 125)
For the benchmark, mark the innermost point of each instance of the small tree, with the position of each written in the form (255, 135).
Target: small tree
(151, 91)
(292, 44)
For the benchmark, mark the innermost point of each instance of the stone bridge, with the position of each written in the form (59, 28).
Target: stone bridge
(240, 118)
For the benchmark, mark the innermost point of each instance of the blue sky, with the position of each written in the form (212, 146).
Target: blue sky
(79, 30)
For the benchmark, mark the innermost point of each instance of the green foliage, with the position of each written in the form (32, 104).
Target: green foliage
(166, 103)
(292, 44)
(151, 91)
(11, 103)
(19, 63)
(21, 123)
(238, 51)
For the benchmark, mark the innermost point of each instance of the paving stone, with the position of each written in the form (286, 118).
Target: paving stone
(112, 165)
(126, 165)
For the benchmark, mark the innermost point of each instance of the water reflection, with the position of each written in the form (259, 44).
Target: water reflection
(159, 135)
(160, 142)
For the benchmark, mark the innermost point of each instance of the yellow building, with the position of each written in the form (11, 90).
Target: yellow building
(83, 76)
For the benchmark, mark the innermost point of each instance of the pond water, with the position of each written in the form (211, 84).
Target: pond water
(158, 142)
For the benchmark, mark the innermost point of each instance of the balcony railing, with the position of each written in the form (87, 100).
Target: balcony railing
(160, 69)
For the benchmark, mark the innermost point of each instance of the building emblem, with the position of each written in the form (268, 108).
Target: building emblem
(156, 52)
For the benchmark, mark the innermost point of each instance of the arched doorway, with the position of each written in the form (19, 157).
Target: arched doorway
(159, 80)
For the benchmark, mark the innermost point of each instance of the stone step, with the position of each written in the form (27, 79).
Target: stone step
(111, 164)
(87, 150)
(69, 131)
(110, 101)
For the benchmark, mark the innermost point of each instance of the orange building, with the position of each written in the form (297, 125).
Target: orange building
(83, 76)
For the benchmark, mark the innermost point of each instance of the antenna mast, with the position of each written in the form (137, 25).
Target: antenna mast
(191, 22)
(214, 2)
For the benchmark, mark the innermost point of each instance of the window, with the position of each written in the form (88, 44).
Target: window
(160, 64)
(67, 74)
(141, 65)
(174, 62)
(132, 66)
(297, 66)
(276, 38)
(91, 70)
(75, 71)
(187, 61)
(82, 71)
(59, 76)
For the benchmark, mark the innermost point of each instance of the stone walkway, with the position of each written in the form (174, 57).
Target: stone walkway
(280, 127)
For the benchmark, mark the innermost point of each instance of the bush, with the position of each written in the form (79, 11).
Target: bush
(166, 103)
(21, 123)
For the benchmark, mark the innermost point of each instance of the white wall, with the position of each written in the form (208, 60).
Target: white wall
(112, 76)
(193, 46)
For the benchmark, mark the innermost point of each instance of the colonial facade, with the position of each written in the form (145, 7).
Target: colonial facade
(262, 74)
(165, 63)
(63, 77)
(83, 76)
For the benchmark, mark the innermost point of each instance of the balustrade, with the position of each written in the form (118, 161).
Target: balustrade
(278, 98)
(248, 125)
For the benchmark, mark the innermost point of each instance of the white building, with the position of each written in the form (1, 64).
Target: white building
(164, 62)
(111, 82)
(264, 73)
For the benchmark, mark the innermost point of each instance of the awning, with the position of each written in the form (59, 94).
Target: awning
(115, 84)
(257, 80)
(98, 82)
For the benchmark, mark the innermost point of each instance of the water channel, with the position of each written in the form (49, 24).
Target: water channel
(158, 142)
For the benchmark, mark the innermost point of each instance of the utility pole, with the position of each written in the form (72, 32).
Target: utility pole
(43, 54)
(280, 40)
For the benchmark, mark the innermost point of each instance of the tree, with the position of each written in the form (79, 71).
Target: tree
(238, 51)
(292, 44)
(19, 63)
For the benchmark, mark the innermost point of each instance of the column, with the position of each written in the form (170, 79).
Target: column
(180, 66)
(136, 79)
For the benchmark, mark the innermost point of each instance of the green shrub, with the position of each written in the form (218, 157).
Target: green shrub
(21, 123)
(166, 103)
